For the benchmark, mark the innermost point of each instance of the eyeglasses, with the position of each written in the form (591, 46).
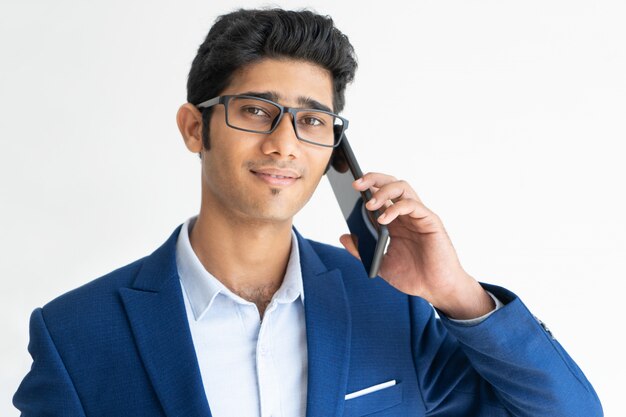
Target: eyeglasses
(258, 115)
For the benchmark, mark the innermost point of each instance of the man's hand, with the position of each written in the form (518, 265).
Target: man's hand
(420, 259)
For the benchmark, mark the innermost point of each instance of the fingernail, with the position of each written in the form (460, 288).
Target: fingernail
(382, 216)
(360, 180)
(372, 202)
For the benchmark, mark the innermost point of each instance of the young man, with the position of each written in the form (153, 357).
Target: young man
(236, 314)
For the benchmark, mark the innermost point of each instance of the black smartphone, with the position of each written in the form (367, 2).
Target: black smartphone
(372, 237)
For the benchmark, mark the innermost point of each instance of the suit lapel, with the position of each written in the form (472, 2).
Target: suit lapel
(328, 325)
(156, 312)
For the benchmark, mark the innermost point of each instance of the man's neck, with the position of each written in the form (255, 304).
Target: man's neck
(249, 258)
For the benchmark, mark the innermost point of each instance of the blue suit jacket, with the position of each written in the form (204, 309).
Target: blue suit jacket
(120, 346)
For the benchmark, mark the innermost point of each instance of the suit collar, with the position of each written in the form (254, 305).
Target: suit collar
(159, 267)
(156, 312)
(328, 328)
(202, 288)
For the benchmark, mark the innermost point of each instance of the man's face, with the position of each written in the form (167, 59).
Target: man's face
(239, 171)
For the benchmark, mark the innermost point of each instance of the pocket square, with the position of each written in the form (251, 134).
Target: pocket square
(371, 389)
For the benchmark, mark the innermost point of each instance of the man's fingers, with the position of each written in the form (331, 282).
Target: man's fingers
(410, 207)
(373, 179)
(350, 243)
(395, 191)
(391, 192)
(394, 198)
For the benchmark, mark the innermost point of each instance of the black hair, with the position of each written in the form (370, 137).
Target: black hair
(248, 35)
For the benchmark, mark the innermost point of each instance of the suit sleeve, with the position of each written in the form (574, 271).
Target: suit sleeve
(47, 389)
(507, 365)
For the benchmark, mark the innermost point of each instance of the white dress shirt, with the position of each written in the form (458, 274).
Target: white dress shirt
(249, 367)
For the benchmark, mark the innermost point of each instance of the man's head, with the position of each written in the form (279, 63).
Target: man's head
(245, 36)
(298, 60)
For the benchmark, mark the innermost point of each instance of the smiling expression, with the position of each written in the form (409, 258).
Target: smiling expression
(266, 177)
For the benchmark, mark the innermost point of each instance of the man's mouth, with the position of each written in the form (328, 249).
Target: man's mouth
(276, 176)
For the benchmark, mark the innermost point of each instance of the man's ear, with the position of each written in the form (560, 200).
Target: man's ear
(189, 121)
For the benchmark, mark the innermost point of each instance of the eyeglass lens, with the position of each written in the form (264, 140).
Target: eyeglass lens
(259, 116)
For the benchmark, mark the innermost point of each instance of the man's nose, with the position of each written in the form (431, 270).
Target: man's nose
(283, 139)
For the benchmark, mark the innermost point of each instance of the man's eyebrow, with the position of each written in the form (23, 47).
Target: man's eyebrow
(267, 95)
(304, 102)
(309, 103)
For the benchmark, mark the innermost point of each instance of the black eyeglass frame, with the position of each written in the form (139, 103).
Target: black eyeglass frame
(283, 109)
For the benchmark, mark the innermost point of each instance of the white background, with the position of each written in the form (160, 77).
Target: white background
(508, 118)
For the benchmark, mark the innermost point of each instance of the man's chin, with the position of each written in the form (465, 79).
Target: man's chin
(264, 212)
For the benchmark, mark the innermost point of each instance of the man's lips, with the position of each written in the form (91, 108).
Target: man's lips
(275, 176)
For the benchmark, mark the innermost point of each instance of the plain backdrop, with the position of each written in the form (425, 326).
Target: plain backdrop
(506, 117)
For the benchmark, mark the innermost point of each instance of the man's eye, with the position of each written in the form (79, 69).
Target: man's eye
(312, 121)
(255, 111)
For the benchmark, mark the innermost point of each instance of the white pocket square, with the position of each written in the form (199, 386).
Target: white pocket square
(371, 389)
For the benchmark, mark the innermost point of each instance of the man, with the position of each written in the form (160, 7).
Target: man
(236, 314)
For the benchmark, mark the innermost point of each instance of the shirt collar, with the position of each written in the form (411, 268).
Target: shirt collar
(202, 288)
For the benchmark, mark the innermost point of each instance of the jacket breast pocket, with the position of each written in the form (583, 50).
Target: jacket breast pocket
(373, 402)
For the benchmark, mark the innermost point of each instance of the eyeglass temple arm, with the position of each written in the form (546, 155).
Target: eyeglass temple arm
(209, 103)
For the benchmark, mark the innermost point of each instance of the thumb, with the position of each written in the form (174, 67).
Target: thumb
(350, 242)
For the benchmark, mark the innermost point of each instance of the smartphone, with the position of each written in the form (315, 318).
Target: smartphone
(372, 237)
